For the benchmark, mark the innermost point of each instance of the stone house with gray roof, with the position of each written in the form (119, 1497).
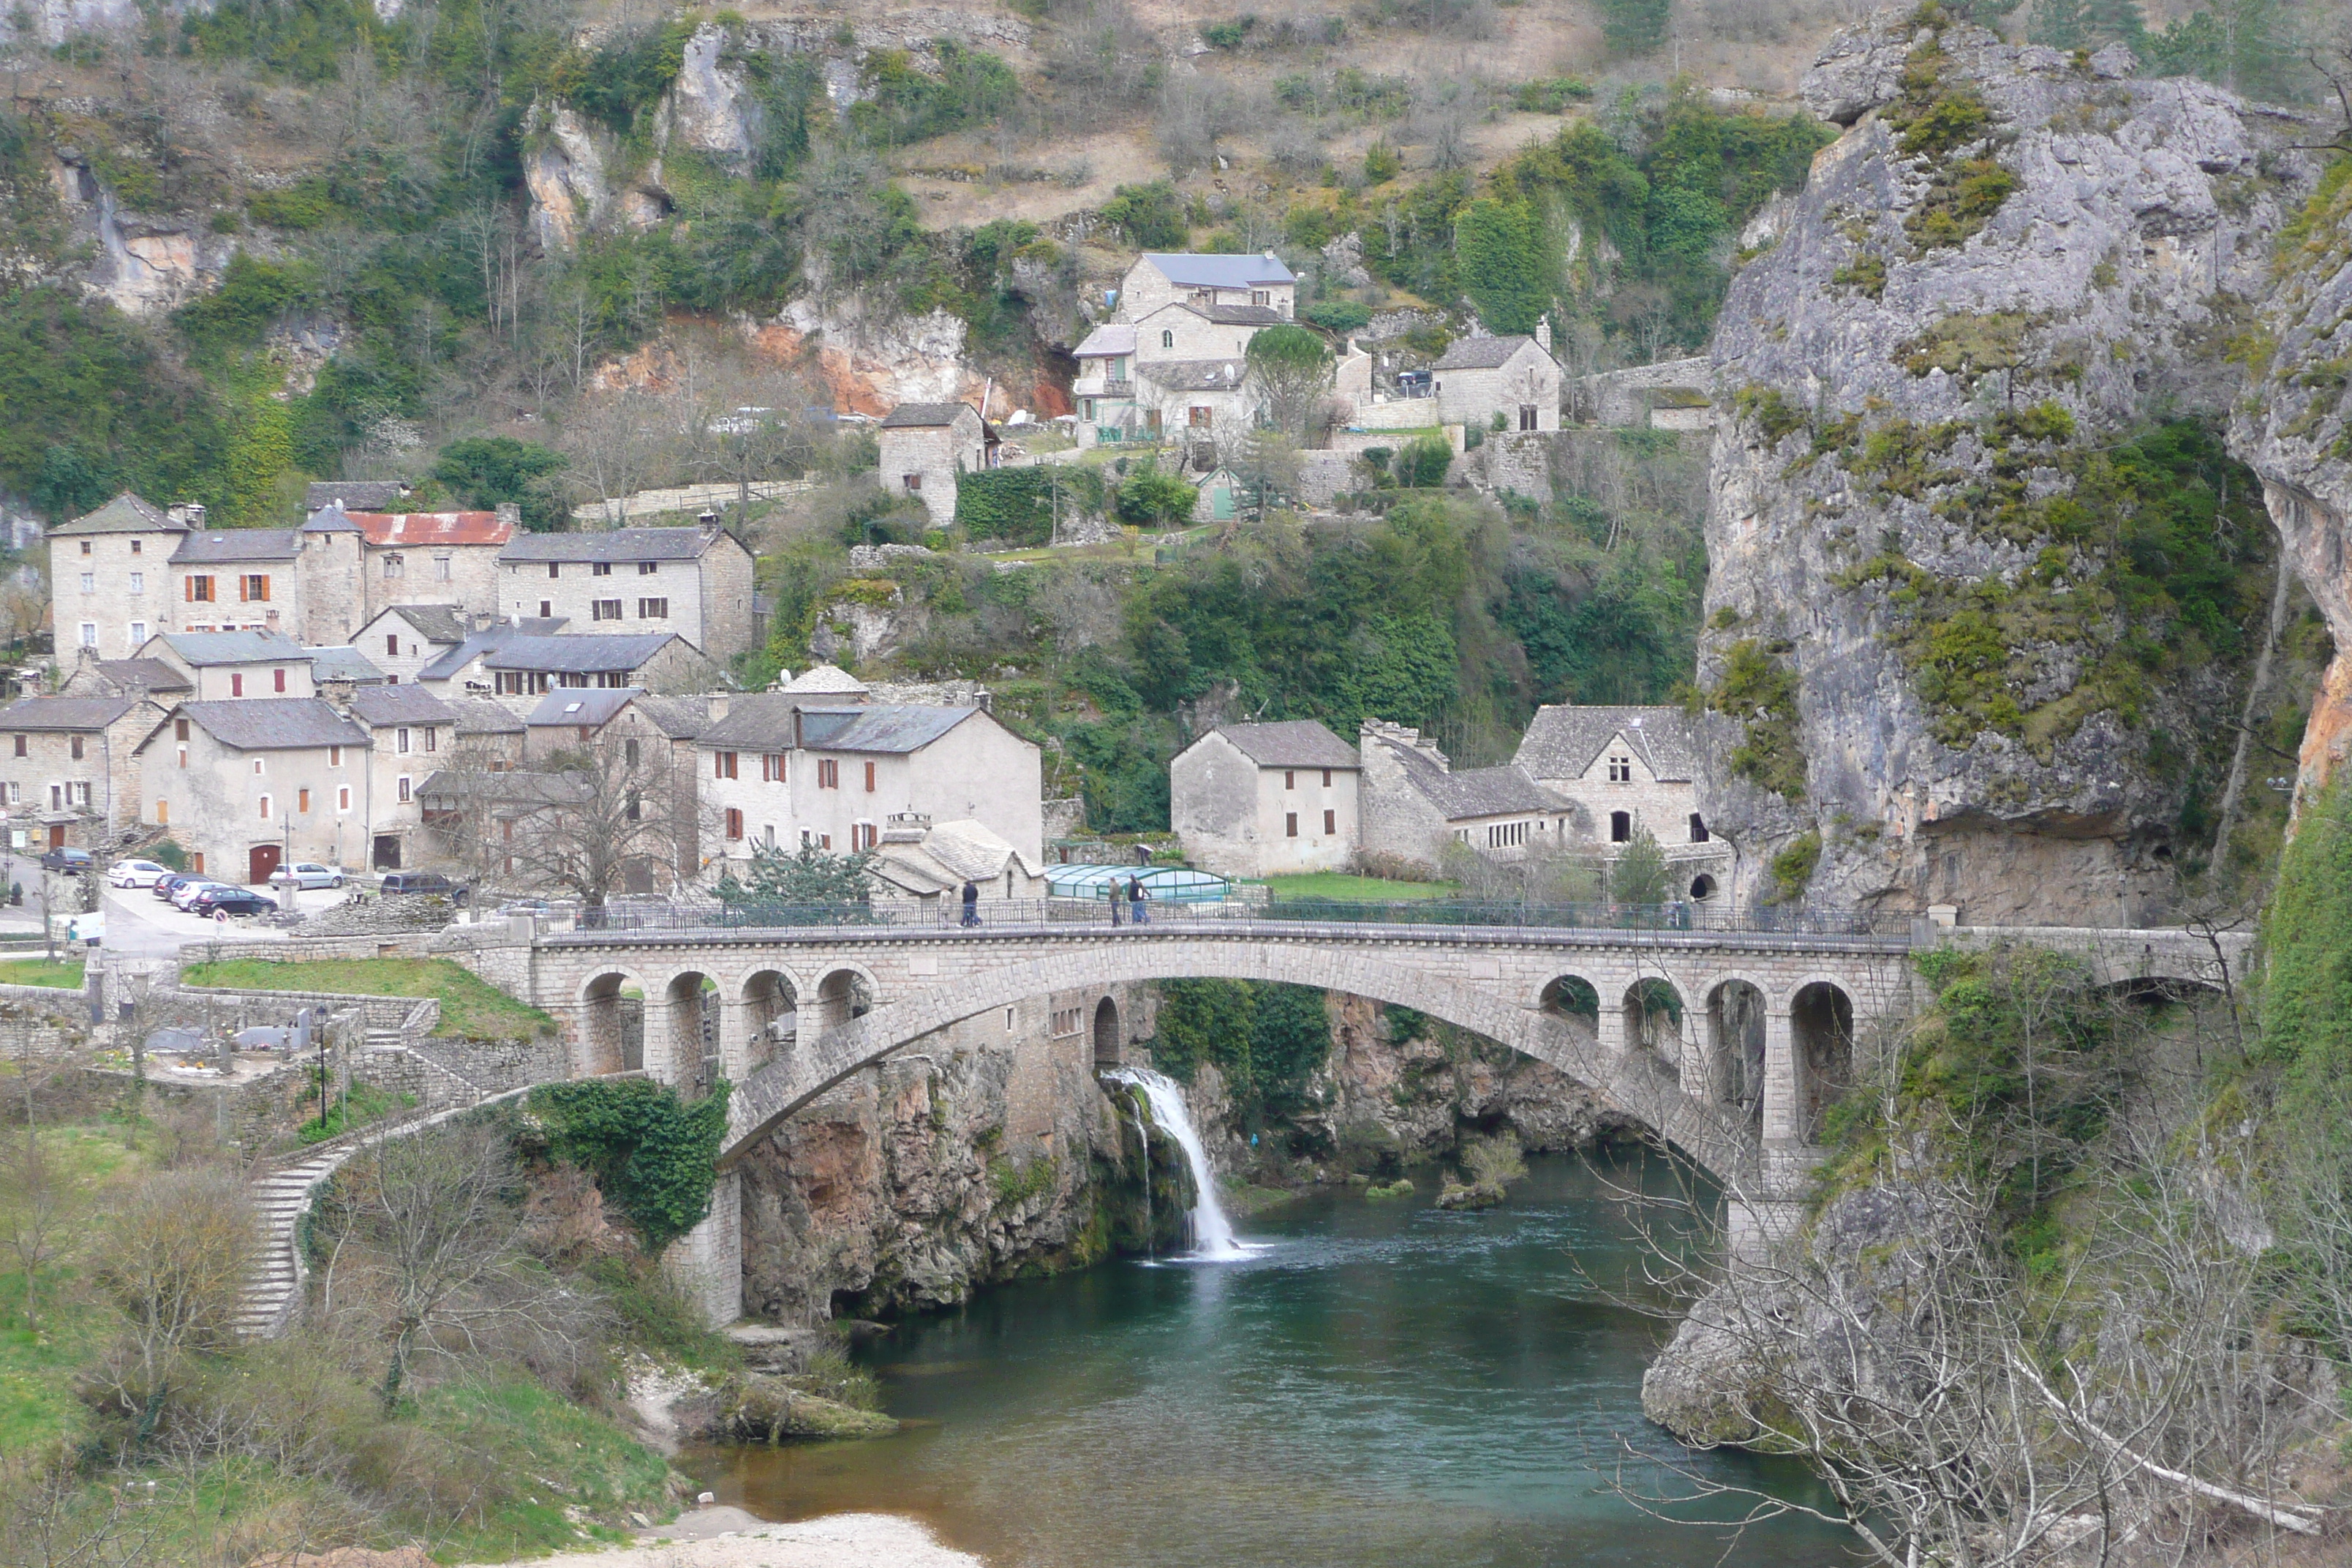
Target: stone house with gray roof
(402, 639)
(1268, 800)
(128, 678)
(518, 666)
(68, 774)
(245, 784)
(232, 664)
(1476, 378)
(1628, 770)
(238, 579)
(924, 446)
(788, 770)
(1159, 278)
(110, 577)
(1414, 801)
(411, 734)
(694, 582)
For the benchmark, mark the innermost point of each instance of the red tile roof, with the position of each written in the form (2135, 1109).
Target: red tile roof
(425, 528)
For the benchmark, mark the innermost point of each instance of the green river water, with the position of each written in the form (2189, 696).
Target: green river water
(1380, 1384)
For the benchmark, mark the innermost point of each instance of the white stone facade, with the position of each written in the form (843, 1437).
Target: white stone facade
(694, 582)
(924, 448)
(1266, 800)
(1479, 378)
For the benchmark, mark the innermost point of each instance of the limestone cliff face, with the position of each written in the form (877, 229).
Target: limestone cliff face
(1941, 649)
(2294, 430)
(922, 1179)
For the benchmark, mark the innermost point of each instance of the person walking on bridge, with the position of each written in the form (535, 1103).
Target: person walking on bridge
(1135, 896)
(971, 904)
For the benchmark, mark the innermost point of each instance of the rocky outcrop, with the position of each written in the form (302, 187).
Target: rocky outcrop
(2296, 431)
(922, 1179)
(872, 361)
(1935, 651)
(145, 264)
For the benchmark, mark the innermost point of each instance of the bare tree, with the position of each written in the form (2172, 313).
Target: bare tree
(609, 815)
(426, 1237)
(39, 1203)
(173, 1257)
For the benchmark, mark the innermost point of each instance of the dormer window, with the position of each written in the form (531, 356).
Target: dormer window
(1621, 769)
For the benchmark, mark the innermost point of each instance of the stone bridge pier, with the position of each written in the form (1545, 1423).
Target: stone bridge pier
(1729, 1046)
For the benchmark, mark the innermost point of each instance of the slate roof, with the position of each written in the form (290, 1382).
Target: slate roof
(478, 716)
(1295, 744)
(762, 721)
(1562, 741)
(421, 529)
(358, 495)
(376, 706)
(147, 674)
(827, 680)
(434, 623)
(1190, 269)
(1479, 354)
(1110, 339)
(477, 644)
(236, 647)
(343, 664)
(924, 416)
(891, 728)
(1472, 792)
(1195, 374)
(61, 713)
(680, 717)
(611, 544)
(330, 518)
(582, 705)
(1241, 315)
(947, 857)
(271, 723)
(237, 544)
(126, 513)
(580, 653)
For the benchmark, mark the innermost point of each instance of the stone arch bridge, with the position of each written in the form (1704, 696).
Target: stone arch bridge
(1727, 1044)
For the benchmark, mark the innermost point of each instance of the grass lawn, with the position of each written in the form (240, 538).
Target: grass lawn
(1341, 885)
(41, 971)
(470, 1005)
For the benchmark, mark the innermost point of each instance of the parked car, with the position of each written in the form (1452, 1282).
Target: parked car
(217, 900)
(171, 882)
(68, 860)
(307, 874)
(527, 907)
(421, 882)
(135, 873)
(185, 893)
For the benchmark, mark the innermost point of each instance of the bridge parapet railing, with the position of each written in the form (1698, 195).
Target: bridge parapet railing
(1634, 922)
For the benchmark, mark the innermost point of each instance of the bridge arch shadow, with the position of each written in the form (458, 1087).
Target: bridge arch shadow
(1653, 1014)
(846, 993)
(1735, 1061)
(688, 1029)
(612, 1024)
(770, 1003)
(1820, 1023)
(1108, 1038)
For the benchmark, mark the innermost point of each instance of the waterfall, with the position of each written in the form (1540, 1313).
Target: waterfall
(1212, 1233)
(1143, 1137)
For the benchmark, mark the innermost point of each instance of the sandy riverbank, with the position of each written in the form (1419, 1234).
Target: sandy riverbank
(730, 1538)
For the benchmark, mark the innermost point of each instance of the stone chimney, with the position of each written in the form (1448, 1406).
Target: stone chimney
(718, 702)
(1543, 333)
(511, 513)
(906, 827)
(984, 700)
(191, 512)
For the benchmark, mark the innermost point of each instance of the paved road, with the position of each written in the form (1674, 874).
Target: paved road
(140, 925)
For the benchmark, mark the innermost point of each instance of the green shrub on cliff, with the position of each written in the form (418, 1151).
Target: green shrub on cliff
(2306, 995)
(654, 1155)
(1265, 1040)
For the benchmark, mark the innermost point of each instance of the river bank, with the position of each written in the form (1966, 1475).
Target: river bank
(741, 1541)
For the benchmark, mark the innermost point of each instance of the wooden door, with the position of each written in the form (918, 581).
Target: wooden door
(264, 861)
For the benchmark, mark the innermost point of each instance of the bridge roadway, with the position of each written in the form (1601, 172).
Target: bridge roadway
(802, 1009)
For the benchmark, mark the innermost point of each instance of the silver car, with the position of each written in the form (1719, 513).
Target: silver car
(185, 893)
(307, 874)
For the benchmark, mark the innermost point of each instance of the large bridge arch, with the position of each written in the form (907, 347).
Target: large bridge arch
(1646, 1090)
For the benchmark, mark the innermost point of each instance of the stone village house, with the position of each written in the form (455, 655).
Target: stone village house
(693, 582)
(1624, 771)
(404, 639)
(925, 446)
(1477, 378)
(1266, 800)
(411, 733)
(832, 772)
(517, 666)
(69, 772)
(1415, 799)
(245, 784)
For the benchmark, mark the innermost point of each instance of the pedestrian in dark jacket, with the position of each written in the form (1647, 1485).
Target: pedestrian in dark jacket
(1135, 896)
(971, 904)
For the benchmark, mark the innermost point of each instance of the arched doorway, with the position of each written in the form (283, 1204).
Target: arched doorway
(1701, 888)
(691, 1015)
(612, 1027)
(1820, 1019)
(842, 996)
(1736, 1066)
(1106, 1034)
(771, 1018)
(1653, 1020)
